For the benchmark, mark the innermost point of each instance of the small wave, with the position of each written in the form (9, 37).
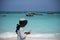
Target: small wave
(45, 35)
(7, 35)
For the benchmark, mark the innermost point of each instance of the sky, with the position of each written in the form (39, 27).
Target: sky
(30, 5)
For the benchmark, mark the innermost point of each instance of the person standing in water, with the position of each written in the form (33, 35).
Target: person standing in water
(21, 35)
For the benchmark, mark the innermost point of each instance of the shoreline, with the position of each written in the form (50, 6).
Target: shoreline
(36, 37)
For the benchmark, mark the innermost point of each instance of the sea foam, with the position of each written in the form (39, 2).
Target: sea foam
(42, 35)
(7, 34)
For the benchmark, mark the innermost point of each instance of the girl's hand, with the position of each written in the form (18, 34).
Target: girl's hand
(27, 33)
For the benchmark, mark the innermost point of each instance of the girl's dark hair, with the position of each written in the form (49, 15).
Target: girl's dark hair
(23, 23)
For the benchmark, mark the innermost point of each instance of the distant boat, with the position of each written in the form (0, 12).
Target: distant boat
(29, 14)
(49, 12)
(32, 14)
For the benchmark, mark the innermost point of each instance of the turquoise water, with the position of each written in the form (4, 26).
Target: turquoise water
(46, 23)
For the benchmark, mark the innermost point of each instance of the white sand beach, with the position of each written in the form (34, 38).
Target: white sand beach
(12, 38)
(32, 36)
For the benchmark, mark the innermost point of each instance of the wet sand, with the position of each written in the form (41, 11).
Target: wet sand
(30, 38)
(13, 38)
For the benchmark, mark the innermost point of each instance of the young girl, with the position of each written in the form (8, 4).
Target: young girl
(19, 29)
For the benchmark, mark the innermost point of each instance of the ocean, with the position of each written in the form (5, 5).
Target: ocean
(37, 24)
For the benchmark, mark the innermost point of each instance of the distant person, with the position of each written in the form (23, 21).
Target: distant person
(21, 35)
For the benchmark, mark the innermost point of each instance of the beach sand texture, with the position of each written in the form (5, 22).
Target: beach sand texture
(30, 38)
(13, 38)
